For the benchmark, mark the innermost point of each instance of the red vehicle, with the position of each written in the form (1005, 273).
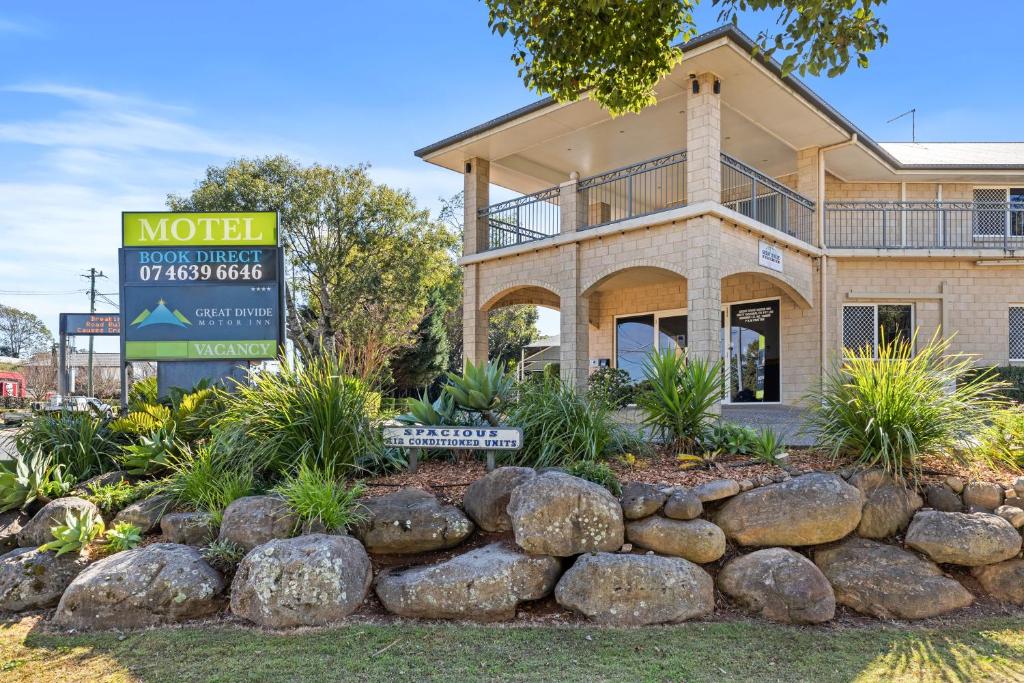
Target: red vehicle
(12, 384)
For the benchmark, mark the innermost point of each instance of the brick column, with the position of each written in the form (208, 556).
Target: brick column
(807, 180)
(476, 186)
(574, 310)
(569, 204)
(703, 141)
(474, 320)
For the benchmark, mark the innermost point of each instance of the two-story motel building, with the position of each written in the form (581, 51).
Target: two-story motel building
(741, 217)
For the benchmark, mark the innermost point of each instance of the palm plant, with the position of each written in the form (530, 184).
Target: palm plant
(678, 395)
(483, 388)
(888, 412)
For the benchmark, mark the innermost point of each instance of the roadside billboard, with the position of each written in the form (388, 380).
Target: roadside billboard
(201, 286)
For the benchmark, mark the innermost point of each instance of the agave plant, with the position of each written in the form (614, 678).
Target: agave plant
(80, 528)
(482, 388)
(26, 481)
(152, 453)
(421, 411)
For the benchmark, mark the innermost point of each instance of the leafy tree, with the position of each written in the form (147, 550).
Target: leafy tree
(22, 332)
(619, 49)
(421, 364)
(363, 257)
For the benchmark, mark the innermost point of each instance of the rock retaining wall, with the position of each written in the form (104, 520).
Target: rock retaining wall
(787, 551)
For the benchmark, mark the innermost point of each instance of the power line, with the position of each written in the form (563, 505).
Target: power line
(92, 275)
(27, 292)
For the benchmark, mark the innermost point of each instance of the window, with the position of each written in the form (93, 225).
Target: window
(999, 212)
(638, 335)
(868, 325)
(1017, 332)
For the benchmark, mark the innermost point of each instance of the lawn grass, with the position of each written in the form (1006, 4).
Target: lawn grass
(989, 649)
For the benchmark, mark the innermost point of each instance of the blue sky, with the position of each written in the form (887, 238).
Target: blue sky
(109, 106)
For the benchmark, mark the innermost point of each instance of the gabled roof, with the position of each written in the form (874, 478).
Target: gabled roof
(982, 156)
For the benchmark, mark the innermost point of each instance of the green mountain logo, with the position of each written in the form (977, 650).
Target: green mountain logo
(161, 315)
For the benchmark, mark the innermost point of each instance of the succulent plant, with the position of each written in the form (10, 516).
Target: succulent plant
(24, 480)
(483, 388)
(80, 528)
(424, 412)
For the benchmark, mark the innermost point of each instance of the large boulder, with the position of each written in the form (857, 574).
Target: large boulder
(806, 510)
(719, 489)
(11, 524)
(780, 585)
(145, 514)
(37, 531)
(696, 540)
(641, 500)
(485, 584)
(962, 538)
(631, 590)
(942, 498)
(889, 504)
(1003, 581)
(1013, 515)
(983, 495)
(888, 582)
(486, 499)
(309, 580)
(411, 521)
(683, 504)
(561, 515)
(188, 528)
(31, 579)
(156, 584)
(254, 520)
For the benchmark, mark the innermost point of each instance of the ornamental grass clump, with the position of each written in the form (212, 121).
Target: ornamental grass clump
(201, 480)
(313, 414)
(317, 496)
(888, 412)
(81, 443)
(561, 427)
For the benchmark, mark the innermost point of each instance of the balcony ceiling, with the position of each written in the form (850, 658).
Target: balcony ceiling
(764, 121)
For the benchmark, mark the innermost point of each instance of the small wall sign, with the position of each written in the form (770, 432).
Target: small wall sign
(769, 256)
(466, 438)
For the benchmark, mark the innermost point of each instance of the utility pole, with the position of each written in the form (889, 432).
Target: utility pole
(92, 275)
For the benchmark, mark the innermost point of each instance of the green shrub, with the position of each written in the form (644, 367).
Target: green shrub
(152, 454)
(767, 446)
(1012, 376)
(80, 528)
(679, 395)
(186, 416)
(199, 480)
(612, 385)
(141, 393)
(81, 443)
(597, 472)
(25, 480)
(728, 438)
(889, 412)
(1001, 442)
(318, 496)
(123, 536)
(314, 414)
(561, 427)
(223, 556)
(112, 498)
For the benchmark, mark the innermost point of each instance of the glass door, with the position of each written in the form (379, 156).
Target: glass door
(754, 352)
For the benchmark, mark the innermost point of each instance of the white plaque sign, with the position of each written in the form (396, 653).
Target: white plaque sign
(769, 256)
(469, 438)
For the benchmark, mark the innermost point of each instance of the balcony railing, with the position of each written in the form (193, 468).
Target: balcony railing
(924, 225)
(763, 199)
(523, 219)
(643, 189)
(639, 190)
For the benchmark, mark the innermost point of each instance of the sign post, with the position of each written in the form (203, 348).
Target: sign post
(413, 438)
(82, 325)
(201, 293)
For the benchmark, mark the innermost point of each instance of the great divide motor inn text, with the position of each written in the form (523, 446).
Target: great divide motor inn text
(741, 217)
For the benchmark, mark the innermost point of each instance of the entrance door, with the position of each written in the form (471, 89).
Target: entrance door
(754, 352)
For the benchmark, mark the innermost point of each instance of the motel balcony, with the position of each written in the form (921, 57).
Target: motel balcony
(645, 190)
